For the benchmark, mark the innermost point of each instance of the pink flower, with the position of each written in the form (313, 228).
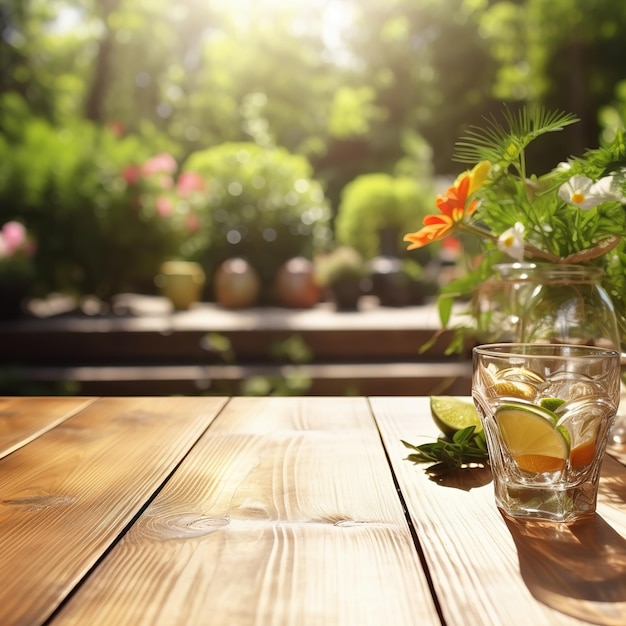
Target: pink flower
(131, 174)
(14, 239)
(162, 162)
(188, 182)
(14, 236)
(164, 206)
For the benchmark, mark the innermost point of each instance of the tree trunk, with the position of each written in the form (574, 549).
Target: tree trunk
(94, 105)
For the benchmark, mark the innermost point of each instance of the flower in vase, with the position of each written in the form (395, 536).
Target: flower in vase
(572, 214)
(511, 241)
(455, 209)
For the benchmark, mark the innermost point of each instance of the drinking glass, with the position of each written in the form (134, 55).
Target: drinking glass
(546, 410)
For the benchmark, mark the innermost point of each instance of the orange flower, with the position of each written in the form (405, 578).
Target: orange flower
(453, 211)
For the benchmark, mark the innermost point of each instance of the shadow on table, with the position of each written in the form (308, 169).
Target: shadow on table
(578, 569)
(613, 484)
(466, 478)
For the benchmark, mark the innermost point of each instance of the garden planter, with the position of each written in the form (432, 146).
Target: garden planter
(295, 285)
(181, 282)
(236, 284)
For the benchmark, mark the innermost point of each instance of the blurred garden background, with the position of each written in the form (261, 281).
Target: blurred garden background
(135, 132)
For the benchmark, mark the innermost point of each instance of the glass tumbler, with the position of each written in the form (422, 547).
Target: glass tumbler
(546, 410)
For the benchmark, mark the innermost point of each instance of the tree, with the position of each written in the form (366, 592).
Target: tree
(564, 54)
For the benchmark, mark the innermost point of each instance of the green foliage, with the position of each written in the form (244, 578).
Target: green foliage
(465, 448)
(375, 202)
(388, 90)
(554, 228)
(342, 263)
(353, 111)
(66, 186)
(574, 214)
(505, 144)
(263, 205)
(293, 381)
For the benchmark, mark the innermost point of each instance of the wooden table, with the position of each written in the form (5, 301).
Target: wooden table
(276, 511)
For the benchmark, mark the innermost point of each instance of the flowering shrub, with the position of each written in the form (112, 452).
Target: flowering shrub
(176, 201)
(261, 204)
(573, 214)
(94, 235)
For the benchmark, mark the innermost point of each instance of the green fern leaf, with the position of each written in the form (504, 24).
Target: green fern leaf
(504, 144)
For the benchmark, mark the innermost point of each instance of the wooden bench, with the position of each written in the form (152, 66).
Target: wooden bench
(143, 348)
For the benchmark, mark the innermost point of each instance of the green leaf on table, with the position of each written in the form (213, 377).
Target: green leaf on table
(466, 447)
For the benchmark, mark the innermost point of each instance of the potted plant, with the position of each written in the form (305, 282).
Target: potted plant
(374, 212)
(341, 274)
(557, 226)
(263, 205)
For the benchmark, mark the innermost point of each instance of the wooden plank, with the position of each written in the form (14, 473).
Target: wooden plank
(22, 420)
(481, 566)
(181, 337)
(66, 496)
(285, 513)
(325, 378)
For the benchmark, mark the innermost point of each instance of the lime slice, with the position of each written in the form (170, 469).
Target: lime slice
(452, 414)
(532, 437)
(552, 404)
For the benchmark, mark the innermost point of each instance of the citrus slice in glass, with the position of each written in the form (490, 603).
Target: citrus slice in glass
(532, 437)
(514, 389)
(452, 414)
(552, 404)
(520, 374)
(583, 454)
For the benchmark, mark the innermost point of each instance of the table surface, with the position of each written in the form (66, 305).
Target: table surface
(277, 511)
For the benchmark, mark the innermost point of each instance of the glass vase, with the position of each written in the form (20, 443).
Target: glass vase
(549, 303)
(532, 303)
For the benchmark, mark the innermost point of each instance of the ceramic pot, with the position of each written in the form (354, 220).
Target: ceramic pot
(295, 285)
(236, 284)
(181, 282)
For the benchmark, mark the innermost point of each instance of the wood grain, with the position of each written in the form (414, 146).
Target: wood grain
(66, 496)
(23, 419)
(285, 513)
(486, 570)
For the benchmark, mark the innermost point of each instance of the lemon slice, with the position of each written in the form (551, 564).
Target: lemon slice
(514, 389)
(532, 437)
(452, 414)
(520, 373)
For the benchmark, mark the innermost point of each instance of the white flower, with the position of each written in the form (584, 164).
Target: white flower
(608, 187)
(585, 194)
(511, 241)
